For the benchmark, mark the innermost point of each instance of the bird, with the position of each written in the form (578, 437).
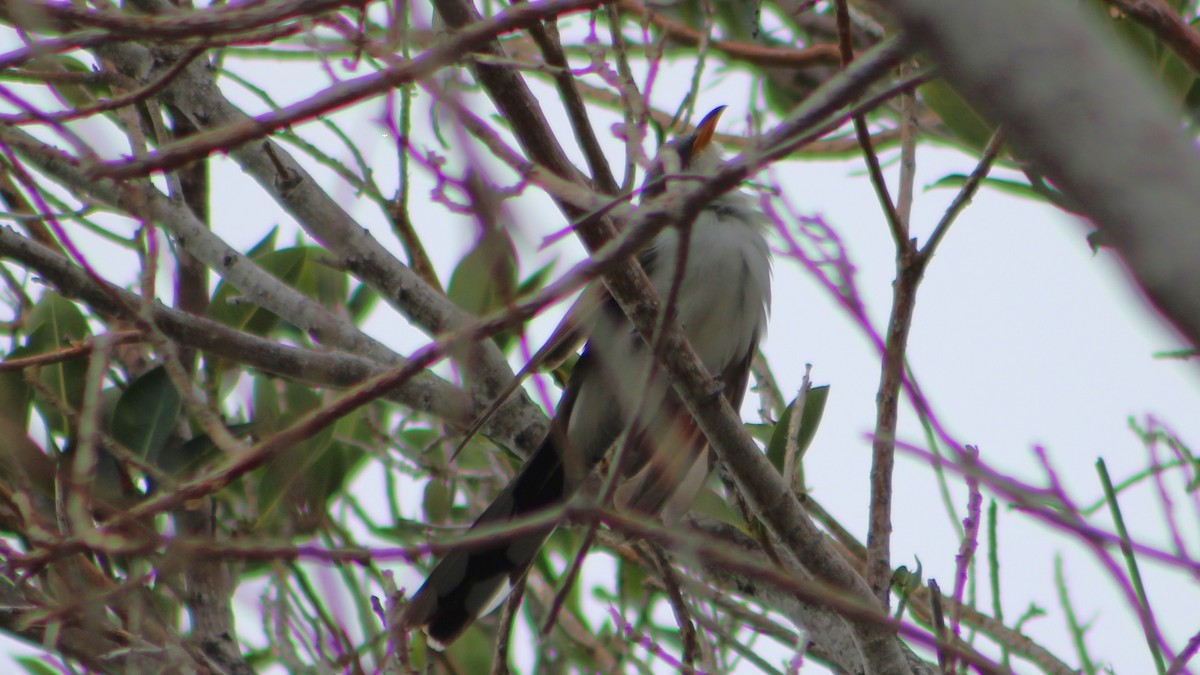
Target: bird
(615, 391)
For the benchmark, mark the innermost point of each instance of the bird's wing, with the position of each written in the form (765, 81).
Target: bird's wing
(669, 458)
(563, 342)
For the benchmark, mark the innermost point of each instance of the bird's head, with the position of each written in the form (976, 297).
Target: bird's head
(693, 153)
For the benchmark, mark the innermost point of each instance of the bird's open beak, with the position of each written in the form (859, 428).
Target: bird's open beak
(706, 129)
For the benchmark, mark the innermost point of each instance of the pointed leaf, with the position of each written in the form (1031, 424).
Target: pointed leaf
(146, 414)
(15, 396)
(362, 301)
(301, 268)
(35, 665)
(264, 245)
(54, 323)
(485, 278)
(957, 114)
(438, 500)
(185, 458)
(810, 419)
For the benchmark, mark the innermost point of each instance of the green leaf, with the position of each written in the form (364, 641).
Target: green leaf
(264, 245)
(438, 500)
(486, 278)
(362, 301)
(24, 464)
(478, 283)
(810, 419)
(332, 472)
(1010, 187)
(419, 442)
(186, 458)
(265, 403)
(1176, 75)
(472, 653)
(631, 580)
(958, 115)
(477, 455)
(34, 665)
(146, 414)
(15, 396)
(54, 323)
(304, 475)
(535, 281)
(299, 399)
(284, 482)
(1137, 37)
(709, 503)
(301, 268)
(760, 431)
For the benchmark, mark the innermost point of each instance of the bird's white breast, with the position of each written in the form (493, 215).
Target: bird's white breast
(726, 290)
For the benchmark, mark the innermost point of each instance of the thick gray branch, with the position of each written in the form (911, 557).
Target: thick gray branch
(425, 392)
(196, 95)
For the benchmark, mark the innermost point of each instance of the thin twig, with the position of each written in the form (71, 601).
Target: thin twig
(1146, 615)
(939, 627)
(966, 551)
(898, 225)
(755, 54)
(546, 36)
(687, 631)
(966, 193)
(908, 147)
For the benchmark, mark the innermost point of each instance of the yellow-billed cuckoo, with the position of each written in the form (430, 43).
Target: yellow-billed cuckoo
(722, 303)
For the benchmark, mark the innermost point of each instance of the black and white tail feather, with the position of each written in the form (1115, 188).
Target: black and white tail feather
(722, 303)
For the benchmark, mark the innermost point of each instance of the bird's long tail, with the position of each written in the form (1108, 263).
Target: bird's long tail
(469, 581)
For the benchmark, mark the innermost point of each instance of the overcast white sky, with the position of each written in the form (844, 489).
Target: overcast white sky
(1022, 337)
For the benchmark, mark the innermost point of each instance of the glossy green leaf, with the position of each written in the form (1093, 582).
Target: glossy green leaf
(54, 323)
(340, 461)
(15, 396)
(285, 482)
(299, 399)
(709, 503)
(437, 502)
(1176, 75)
(760, 431)
(233, 309)
(331, 472)
(25, 464)
(472, 653)
(34, 665)
(264, 245)
(146, 414)
(361, 302)
(631, 580)
(266, 404)
(301, 268)
(486, 278)
(810, 419)
(958, 115)
(422, 444)
(302, 476)
(535, 282)
(186, 458)
(477, 455)
(1009, 187)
